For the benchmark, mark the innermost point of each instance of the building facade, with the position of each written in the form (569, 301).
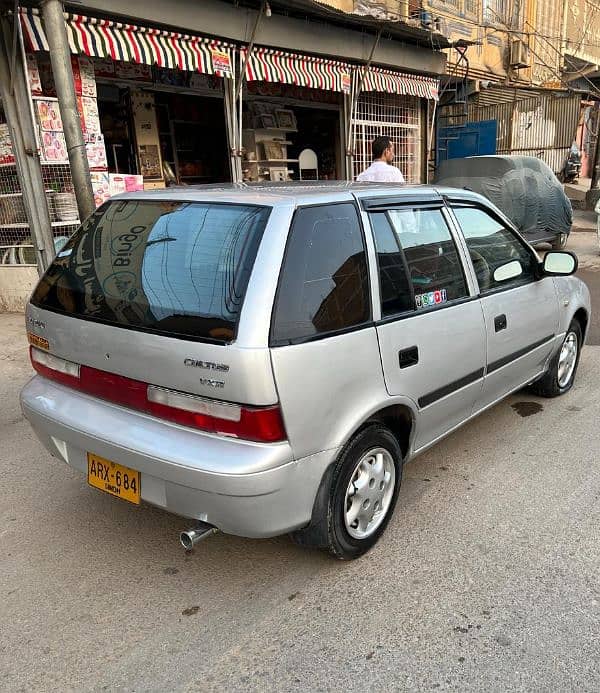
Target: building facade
(186, 93)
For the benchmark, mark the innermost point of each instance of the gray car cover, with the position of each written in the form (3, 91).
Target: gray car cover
(522, 187)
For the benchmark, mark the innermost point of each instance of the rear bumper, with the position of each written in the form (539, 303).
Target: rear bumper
(244, 488)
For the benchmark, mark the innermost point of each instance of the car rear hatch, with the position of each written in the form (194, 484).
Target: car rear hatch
(141, 308)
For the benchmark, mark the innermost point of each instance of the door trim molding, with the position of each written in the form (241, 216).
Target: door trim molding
(505, 360)
(435, 395)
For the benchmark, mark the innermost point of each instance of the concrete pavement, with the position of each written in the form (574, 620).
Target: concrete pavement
(486, 579)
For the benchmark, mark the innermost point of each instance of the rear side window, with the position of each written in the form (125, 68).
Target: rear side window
(323, 285)
(180, 268)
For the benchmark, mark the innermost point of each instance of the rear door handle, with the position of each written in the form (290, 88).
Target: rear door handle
(408, 357)
(500, 322)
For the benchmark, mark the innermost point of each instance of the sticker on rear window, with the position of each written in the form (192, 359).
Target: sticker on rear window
(432, 298)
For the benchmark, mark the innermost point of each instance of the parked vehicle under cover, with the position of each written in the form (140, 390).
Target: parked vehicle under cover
(523, 187)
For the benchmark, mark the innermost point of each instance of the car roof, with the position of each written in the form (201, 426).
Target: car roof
(292, 193)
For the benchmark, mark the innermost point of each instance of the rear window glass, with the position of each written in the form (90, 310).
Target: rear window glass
(174, 267)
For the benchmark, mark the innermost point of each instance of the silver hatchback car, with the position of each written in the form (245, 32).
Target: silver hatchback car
(264, 359)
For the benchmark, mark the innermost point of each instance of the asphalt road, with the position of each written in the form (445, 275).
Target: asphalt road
(486, 579)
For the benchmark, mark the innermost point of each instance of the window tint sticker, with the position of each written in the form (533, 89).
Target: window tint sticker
(432, 298)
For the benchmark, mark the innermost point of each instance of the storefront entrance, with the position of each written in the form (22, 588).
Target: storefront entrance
(291, 133)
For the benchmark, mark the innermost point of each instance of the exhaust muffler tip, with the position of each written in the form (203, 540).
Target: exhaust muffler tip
(190, 537)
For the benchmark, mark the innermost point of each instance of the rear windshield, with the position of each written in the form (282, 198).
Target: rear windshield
(180, 268)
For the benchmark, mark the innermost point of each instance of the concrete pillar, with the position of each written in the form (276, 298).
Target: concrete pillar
(60, 57)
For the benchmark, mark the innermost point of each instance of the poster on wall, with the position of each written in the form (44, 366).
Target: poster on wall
(124, 182)
(100, 186)
(33, 75)
(95, 150)
(87, 78)
(6, 149)
(49, 115)
(54, 147)
(88, 112)
(149, 160)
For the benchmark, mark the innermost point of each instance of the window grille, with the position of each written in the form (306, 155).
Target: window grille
(397, 117)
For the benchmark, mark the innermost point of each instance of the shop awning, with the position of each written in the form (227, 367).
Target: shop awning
(269, 65)
(394, 82)
(101, 38)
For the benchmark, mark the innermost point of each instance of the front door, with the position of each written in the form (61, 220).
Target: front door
(521, 313)
(431, 333)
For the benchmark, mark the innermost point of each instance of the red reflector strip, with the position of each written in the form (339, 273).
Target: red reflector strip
(260, 424)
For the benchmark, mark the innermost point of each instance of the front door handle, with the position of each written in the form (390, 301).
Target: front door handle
(408, 357)
(500, 322)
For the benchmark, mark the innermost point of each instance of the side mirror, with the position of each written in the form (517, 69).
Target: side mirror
(559, 264)
(508, 271)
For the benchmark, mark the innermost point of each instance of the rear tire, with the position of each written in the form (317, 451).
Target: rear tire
(361, 496)
(560, 242)
(560, 375)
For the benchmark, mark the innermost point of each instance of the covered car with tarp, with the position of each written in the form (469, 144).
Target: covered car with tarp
(523, 187)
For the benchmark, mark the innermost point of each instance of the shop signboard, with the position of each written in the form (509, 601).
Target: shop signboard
(346, 82)
(221, 62)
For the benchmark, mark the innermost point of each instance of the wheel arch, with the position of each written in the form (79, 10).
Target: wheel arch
(582, 317)
(400, 419)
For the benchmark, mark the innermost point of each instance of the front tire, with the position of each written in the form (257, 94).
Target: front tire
(560, 375)
(361, 497)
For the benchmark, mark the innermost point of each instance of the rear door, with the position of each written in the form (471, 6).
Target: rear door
(431, 333)
(521, 314)
(323, 342)
(153, 289)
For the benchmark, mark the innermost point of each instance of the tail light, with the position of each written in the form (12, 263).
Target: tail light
(261, 424)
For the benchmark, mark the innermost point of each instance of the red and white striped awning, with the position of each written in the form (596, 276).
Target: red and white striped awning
(269, 65)
(393, 82)
(101, 38)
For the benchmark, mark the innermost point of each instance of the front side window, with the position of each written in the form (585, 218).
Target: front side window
(419, 265)
(323, 286)
(491, 245)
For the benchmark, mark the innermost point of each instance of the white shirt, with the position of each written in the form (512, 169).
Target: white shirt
(380, 172)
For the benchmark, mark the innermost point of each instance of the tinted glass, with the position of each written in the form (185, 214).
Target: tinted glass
(323, 286)
(435, 269)
(175, 267)
(396, 294)
(492, 245)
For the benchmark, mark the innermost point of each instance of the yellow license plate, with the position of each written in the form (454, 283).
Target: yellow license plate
(113, 478)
